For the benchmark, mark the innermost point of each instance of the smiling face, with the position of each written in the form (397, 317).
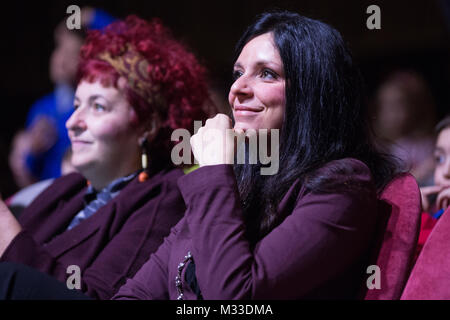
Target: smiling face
(442, 156)
(257, 96)
(103, 133)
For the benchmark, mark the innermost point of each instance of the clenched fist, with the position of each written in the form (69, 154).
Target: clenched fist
(214, 142)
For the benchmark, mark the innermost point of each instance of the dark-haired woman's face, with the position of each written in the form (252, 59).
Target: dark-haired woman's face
(257, 96)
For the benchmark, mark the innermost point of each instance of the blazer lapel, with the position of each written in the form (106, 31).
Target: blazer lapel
(110, 217)
(73, 237)
(59, 221)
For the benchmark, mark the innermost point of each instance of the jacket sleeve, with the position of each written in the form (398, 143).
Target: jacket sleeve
(323, 236)
(25, 250)
(151, 281)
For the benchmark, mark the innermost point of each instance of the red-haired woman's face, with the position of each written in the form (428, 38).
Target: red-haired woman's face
(103, 132)
(257, 97)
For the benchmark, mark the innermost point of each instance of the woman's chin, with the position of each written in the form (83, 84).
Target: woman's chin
(81, 165)
(244, 126)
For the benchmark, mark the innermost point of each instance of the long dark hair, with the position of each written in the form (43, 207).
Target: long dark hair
(326, 117)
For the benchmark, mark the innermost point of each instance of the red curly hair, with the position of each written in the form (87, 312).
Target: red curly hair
(180, 77)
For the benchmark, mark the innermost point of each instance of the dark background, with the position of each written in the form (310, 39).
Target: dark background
(414, 34)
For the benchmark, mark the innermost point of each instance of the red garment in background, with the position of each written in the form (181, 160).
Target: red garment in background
(427, 224)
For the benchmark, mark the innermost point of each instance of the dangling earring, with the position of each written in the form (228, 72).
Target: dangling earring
(143, 176)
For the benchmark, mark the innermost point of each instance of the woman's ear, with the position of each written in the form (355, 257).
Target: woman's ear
(150, 129)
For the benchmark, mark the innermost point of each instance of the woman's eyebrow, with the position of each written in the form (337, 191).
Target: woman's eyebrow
(265, 62)
(259, 63)
(96, 96)
(237, 65)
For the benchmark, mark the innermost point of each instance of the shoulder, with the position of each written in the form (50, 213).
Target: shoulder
(347, 167)
(168, 176)
(62, 189)
(72, 178)
(160, 183)
(45, 100)
(24, 196)
(43, 104)
(65, 186)
(339, 175)
(342, 192)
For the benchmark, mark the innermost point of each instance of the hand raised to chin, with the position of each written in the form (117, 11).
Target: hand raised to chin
(443, 199)
(214, 142)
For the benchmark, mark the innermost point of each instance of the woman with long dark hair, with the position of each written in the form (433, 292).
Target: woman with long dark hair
(304, 232)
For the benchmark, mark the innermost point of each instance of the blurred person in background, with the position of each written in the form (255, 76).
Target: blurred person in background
(23, 198)
(37, 151)
(405, 116)
(436, 198)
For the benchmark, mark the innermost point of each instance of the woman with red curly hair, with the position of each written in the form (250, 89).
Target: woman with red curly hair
(93, 229)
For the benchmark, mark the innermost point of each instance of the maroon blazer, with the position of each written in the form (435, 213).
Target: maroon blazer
(319, 250)
(109, 246)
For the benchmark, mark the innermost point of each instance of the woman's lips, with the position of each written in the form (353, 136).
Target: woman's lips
(247, 111)
(79, 143)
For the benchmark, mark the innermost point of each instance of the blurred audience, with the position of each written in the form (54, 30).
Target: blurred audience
(405, 116)
(37, 151)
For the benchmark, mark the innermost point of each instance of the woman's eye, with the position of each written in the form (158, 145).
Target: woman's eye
(439, 159)
(99, 107)
(268, 74)
(75, 106)
(236, 74)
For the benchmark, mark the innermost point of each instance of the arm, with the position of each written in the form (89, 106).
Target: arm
(9, 227)
(150, 282)
(324, 236)
(122, 255)
(427, 193)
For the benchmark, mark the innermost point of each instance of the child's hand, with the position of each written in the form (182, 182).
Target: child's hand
(443, 199)
(426, 192)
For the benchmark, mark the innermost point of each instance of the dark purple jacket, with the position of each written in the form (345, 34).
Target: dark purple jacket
(319, 250)
(109, 246)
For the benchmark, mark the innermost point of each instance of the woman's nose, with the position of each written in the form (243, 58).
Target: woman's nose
(76, 121)
(242, 87)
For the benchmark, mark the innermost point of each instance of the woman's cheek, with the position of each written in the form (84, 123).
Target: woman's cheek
(111, 130)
